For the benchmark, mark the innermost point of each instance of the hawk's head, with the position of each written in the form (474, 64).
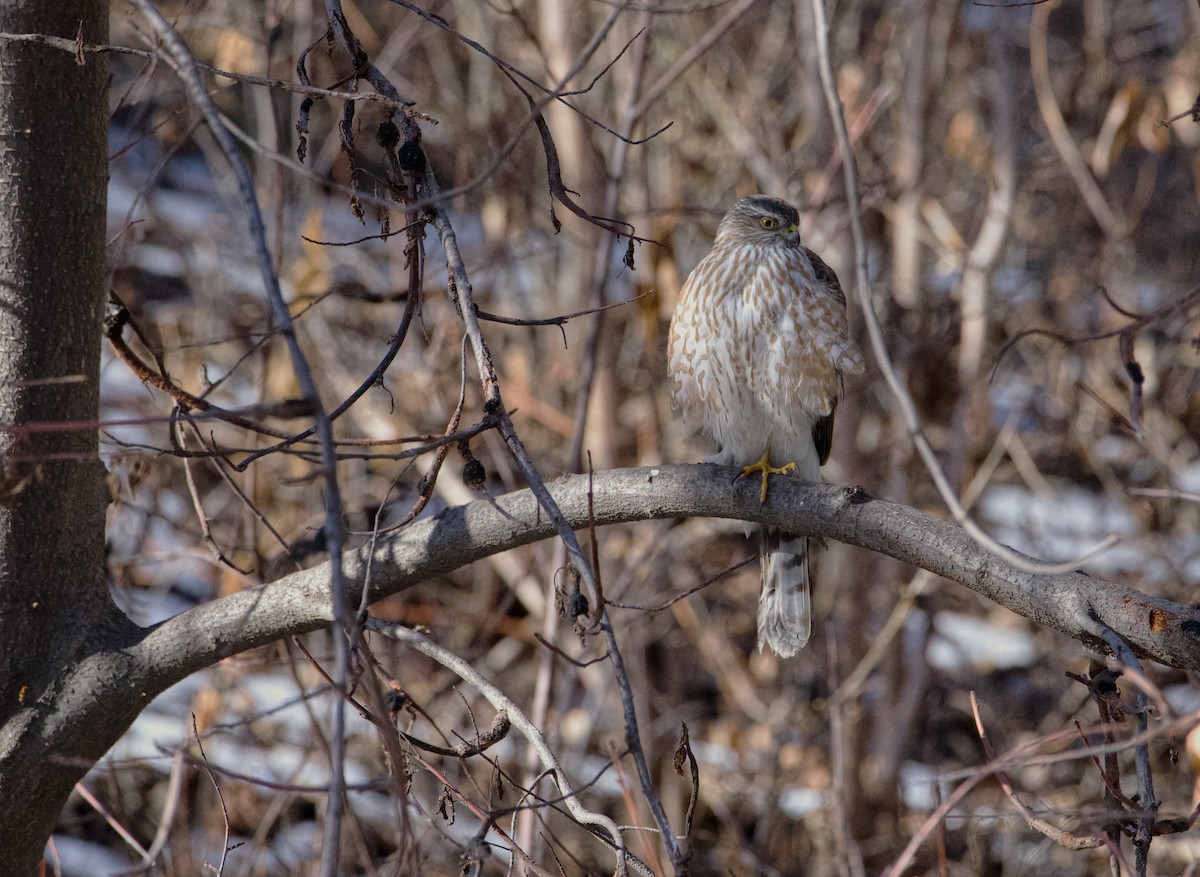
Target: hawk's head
(761, 220)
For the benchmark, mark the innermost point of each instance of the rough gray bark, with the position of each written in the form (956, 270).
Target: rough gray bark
(1073, 603)
(105, 690)
(120, 677)
(122, 674)
(53, 599)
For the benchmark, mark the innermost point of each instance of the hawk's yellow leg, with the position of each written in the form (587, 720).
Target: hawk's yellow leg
(764, 466)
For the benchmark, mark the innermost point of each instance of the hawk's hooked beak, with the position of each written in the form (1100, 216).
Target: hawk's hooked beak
(792, 234)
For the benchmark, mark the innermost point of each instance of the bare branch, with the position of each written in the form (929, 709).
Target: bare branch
(1058, 835)
(1107, 217)
(180, 58)
(519, 720)
(76, 48)
(1072, 603)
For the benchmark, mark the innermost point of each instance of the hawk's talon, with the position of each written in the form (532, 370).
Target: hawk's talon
(764, 466)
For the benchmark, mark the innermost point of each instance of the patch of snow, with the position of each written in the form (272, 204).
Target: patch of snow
(1065, 525)
(150, 741)
(964, 641)
(796, 802)
(715, 756)
(1187, 479)
(279, 762)
(159, 260)
(917, 786)
(1183, 699)
(82, 858)
(297, 846)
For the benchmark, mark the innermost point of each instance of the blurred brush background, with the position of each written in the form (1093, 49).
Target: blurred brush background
(1014, 176)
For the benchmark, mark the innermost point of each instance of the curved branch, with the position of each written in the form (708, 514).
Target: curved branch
(1073, 602)
(99, 695)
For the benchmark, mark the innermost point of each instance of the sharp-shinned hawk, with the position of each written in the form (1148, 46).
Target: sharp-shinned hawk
(759, 343)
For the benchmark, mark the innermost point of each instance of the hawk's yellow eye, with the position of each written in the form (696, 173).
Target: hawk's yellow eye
(769, 223)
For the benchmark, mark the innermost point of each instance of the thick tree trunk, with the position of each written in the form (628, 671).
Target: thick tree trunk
(53, 598)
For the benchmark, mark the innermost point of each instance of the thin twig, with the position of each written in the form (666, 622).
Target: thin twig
(685, 751)
(172, 797)
(74, 47)
(198, 505)
(1147, 800)
(428, 481)
(556, 93)
(997, 213)
(1165, 493)
(501, 702)
(689, 57)
(881, 644)
(1059, 836)
(225, 847)
(114, 324)
(180, 58)
(602, 264)
(1110, 221)
(1020, 754)
(850, 861)
(122, 832)
(412, 304)
(666, 604)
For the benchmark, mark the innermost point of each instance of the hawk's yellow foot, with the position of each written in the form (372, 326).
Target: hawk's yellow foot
(764, 466)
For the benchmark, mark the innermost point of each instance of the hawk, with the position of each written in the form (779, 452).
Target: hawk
(758, 344)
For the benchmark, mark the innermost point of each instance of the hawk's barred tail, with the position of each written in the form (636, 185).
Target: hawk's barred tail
(785, 604)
